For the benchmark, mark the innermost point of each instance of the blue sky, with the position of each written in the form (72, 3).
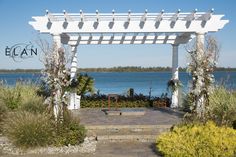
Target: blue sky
(14, 28)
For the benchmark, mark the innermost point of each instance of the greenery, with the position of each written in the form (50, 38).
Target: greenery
(173, 85)
(11, 97)
(34, 105)
(3, 112)
(27, 129)
(114, 69)
(222, 107)
(101, 101)
(70, 132)
(21, 95)
(203, 59)
(205, 140)
(20, 70)
(82, 85)
(28, 122)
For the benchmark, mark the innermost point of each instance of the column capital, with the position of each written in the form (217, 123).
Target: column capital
(55, 34)
(57, 39)
(175, 45)
(73, 45)
(201, 33)
(73, 48)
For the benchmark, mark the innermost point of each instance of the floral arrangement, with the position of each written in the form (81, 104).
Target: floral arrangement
(202, 63)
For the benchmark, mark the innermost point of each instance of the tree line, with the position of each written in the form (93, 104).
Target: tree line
(115, 69)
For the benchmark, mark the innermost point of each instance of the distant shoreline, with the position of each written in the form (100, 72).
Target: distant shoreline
(113, 69)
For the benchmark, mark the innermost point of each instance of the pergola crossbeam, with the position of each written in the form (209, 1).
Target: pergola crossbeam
(126, 39)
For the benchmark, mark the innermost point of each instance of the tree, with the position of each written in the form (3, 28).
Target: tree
(203, 60)
(82, 85)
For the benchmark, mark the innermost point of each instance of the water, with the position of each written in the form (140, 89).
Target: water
(141, 82)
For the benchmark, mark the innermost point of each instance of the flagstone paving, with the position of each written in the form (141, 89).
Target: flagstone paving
(151, 117)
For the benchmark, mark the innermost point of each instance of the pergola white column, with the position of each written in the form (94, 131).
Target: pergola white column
(175, 74)
(74, 98)
(200, 37)
(57, 42)
(73, 68)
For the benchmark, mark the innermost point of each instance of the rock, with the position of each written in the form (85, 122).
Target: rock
(88, 146)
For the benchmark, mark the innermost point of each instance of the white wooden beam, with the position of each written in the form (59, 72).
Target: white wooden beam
(113, 15)
(207, 16)
(129, 16)
(144, 17)
(97, 16)
(175, 17)
(191, 16)
(67, 16)
(159, 16)
(82, 18)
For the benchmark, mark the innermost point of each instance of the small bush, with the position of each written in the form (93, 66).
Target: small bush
(11, 97)
(26, 129)
(198, 140)
(222, 107)
(186, 104)
(3, 112)
(21, 94)
(69, 132)
(34, 105)
(98, 101)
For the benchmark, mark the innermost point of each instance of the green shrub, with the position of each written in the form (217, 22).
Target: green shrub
(195, 140)
(11, 97)
(22, 96)
(120, 104)
(99, 101)
(26, 129)
(3, 112)
(34, 105)
(222, 107)
(69, 132)
(186, 104)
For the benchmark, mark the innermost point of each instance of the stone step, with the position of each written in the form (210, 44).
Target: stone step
(145, 133)
(97, 127)
(125, 138)
(124, 132)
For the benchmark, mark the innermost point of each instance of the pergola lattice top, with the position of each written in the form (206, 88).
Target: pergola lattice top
(127, 28)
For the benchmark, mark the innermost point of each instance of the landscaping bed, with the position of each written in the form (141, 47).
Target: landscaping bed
(137, 101)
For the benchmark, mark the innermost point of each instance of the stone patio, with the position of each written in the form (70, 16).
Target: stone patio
(161, 116)
(128, 128)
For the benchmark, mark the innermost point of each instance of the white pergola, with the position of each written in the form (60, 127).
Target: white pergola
(81, 28)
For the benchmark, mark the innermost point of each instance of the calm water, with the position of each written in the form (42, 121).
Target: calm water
(141, 82)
